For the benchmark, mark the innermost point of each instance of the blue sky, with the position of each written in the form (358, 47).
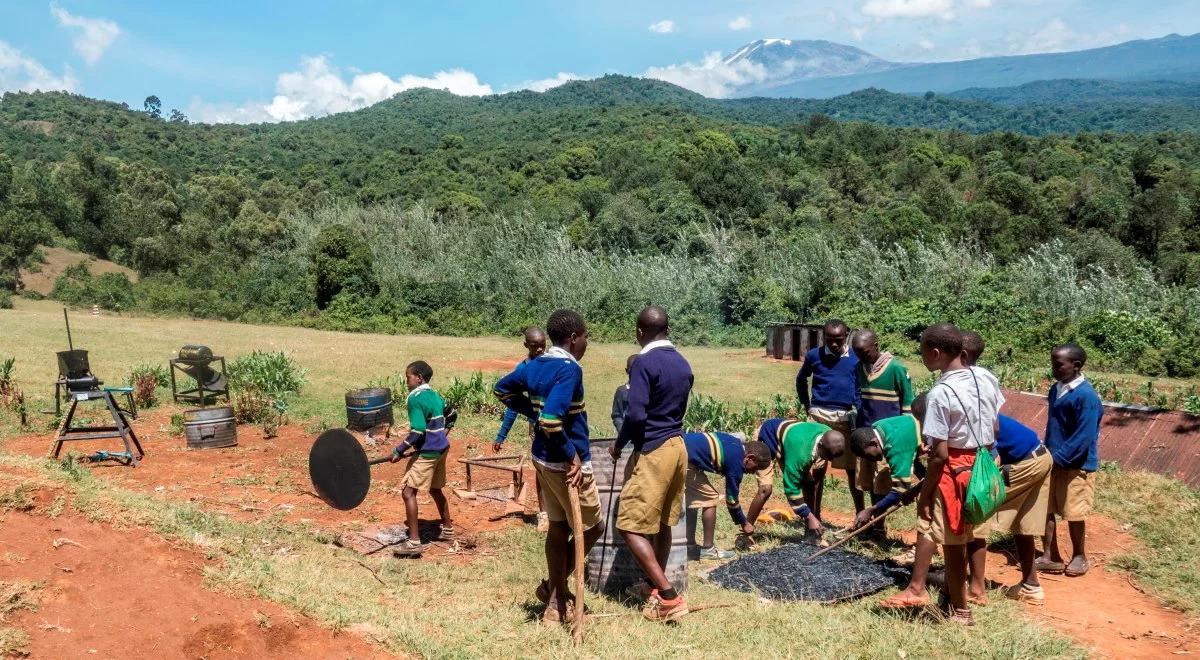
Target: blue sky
(257, 60)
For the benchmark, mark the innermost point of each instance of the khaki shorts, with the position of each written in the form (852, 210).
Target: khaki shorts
(700, 493)
(426, 473)
(1072, 493)
(652, 497)
(873, 477)
(847, 461)
(766, 475)
(1027, 497)
(938, 529)
(557, 500)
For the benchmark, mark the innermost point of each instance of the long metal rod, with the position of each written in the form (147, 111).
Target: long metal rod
(70, 344)
(892, 509)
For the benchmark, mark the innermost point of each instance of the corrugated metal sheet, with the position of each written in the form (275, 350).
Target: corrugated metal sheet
(790, 341)
(1162, 441)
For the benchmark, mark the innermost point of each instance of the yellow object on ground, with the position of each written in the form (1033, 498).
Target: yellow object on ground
(775, 513)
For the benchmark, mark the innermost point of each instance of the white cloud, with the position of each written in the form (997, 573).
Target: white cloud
(740, 23)
(712, 76)
(93, 36)
(926, 44)
(943, 9)
(1056, 36)
(663, 27)
(858, 33)
(544, 84)
(20, 73)
(319, 89)
(979, 4)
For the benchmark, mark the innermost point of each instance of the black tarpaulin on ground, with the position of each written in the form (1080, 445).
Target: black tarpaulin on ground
(784, 574)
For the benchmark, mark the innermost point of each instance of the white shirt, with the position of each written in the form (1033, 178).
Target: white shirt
(657, 343)
(1068, 386)
(962, 408)
(560, 353)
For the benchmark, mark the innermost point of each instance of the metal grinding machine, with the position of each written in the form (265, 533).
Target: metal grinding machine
(77, 384)
(198, 363)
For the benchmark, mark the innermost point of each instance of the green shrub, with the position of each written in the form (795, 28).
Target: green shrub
(6, 300)
(1126, 337)
(473, 395)
(271, 372)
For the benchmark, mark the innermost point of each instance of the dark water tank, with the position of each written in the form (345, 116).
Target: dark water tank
(611, 567)
(368, 408)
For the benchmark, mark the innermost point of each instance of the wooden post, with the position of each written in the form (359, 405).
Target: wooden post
(577, 525)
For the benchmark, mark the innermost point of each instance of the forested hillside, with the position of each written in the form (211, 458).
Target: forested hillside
(431, 212)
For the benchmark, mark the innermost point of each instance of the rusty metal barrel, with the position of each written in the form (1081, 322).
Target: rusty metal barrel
(209, 428)
(610, 565)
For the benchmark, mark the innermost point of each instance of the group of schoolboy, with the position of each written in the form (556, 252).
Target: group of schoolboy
(863, 418)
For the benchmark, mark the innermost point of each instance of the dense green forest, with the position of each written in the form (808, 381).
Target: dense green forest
(436, 213)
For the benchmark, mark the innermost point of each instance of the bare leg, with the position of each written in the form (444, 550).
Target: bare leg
(1078, 545)
(977, 559)
(920, 570)
(709, 516)
(643, 550)
(1050, 541)
(956, 575)
(557, 560)
(691, 515)
(1025, 554)
(443, 507)
(409, 494)
(662, 546)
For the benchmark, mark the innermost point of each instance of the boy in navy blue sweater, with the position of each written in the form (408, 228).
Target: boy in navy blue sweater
(550, 389)
(834, 401)
(652, 498)
(535, 345)
(1073, 438)
(723, 454)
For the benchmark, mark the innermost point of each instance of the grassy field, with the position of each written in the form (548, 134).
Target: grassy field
(338, 361)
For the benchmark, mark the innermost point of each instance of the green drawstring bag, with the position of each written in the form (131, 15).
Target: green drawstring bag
(985, 491)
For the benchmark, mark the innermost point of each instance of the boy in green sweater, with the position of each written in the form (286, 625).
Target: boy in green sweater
(428, 441)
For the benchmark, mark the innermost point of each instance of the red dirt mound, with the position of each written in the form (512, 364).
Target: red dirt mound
(128, 593)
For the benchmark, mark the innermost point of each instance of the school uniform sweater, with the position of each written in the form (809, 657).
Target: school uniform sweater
(886, 393)
(1073, 426)
(720, 453)
(550, 389)
(659, 384)
(794, 445)
(1015, 442)
(426, 422)
(834, 380)
(510, 416)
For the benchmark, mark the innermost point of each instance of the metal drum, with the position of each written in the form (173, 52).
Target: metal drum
(368, 408)
(611, 567)
(208, 428)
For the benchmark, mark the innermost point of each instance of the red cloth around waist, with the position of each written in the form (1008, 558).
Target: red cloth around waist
(952, 483)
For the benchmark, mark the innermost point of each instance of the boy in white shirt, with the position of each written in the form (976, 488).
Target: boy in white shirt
(960, 416)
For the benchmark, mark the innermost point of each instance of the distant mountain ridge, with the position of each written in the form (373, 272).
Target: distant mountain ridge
(834, 69)
(791, 60)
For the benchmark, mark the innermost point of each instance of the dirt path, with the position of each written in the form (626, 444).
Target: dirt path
(127, 593)
(1104, 609)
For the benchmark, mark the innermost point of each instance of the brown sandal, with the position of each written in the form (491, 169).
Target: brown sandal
(903, 601)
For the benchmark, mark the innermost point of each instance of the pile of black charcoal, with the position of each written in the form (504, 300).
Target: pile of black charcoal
(785, 574)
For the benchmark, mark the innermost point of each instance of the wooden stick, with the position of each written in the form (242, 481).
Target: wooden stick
(892, 509)
(577, 524)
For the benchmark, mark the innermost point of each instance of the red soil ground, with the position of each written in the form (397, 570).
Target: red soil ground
(262, 478)
(127, 593)
(503, 365)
